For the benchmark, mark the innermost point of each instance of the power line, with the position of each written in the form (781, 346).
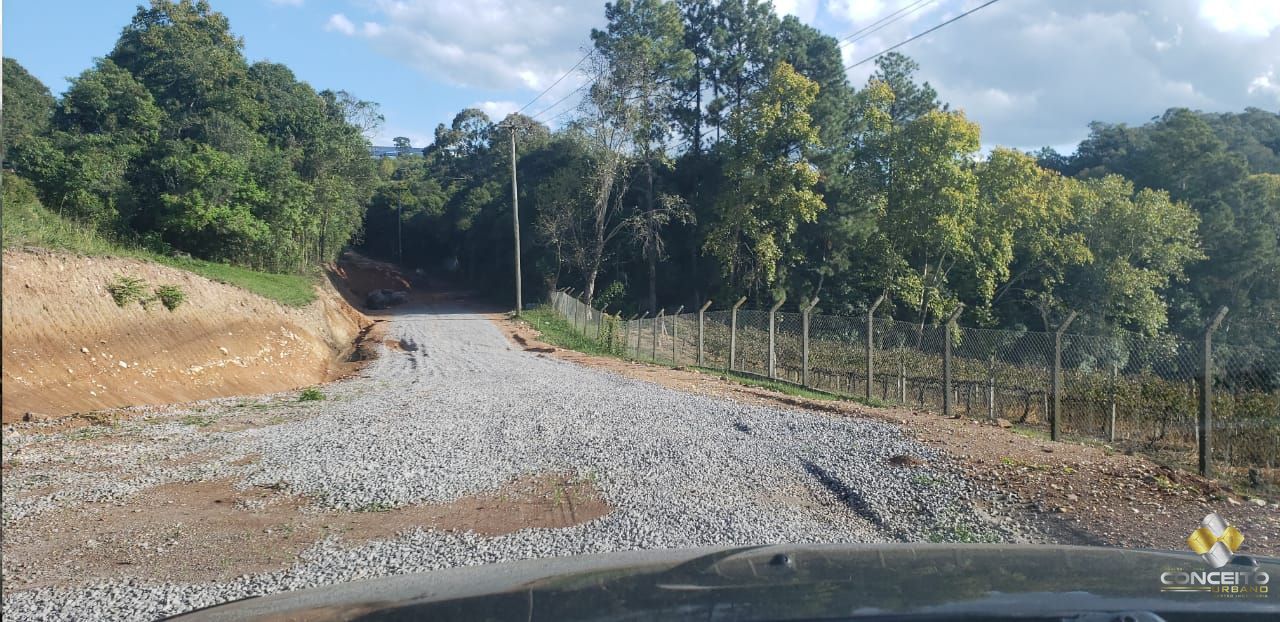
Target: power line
(898, 45)
(553, 84)
(584, 85)
(884, 21)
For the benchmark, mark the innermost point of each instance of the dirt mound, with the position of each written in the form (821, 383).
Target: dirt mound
(357, 275)
(69, 348)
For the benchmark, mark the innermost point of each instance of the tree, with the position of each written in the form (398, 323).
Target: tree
(910, 100)
(401, 142)
(741, 40)
(770, 183)
(643, 47)
(1208, 161)
(1141, 242)
(185, 55)
(1033, 234)
(28, 107)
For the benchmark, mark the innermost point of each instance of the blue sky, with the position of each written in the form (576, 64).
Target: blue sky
(1031, 72)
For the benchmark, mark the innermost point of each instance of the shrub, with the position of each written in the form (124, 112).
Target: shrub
(170, 296)
(311, 394)
(126, 289)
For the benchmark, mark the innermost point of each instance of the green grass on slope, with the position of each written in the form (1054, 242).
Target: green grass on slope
(556, 331)
(294, 290)
(28, 223)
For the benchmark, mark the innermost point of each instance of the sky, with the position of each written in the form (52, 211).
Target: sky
(1030, 72)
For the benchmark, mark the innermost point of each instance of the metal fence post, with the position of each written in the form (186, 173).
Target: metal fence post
(702, 316)
(991, 389)
(871, 331)
(1111, 430)
(653, 353)
(733, 334)
(640, 332)
(1055, 385)
(675, 335)
(804, 340)
(773, 314)
(1206, 396)
(946, 359)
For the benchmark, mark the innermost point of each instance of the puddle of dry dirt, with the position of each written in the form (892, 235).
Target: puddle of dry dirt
(202, 531)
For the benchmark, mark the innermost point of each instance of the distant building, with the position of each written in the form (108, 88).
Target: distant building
(379, 151)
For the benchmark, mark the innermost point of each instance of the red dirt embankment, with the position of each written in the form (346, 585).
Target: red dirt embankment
(68, 348)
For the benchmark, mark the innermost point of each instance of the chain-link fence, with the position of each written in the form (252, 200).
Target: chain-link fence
(1133, 392)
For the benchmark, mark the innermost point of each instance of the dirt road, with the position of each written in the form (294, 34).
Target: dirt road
(455, 447)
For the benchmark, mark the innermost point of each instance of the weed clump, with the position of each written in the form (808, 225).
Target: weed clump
(171, 296)
(311, 394)
(126, 289)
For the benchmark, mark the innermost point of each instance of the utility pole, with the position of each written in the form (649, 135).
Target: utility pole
(515, 216)
(399, 237)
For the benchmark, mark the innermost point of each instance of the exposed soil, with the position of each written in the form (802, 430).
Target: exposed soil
(1083, 494)
(68, 348)
(210, 530)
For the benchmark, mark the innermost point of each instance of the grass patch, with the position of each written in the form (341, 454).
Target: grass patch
(558, 332)
(126, 289)
(310, 394)
(923, 480)
(774, 385)
(1014, 462)
(198, 421)
(293, 290)
(1031, 432)
(171, 296)
(960, 533)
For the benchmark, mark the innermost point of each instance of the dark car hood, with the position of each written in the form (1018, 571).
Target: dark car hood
(781, 582)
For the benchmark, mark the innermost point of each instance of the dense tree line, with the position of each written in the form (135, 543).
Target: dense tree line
(721, 152)
(1226, 167)
(173, 140)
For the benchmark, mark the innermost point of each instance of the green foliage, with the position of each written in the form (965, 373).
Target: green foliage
(310, 394)
(175, 139)
(1222, 166)
(126, 289)
(171, 296)
(770, 183)
(558, 332)
(27, 109)
(28, 223)
(293, 290)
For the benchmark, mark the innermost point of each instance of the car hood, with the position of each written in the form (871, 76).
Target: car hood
(783, 582)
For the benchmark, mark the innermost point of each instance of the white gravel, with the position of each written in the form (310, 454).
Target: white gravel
(467, 412)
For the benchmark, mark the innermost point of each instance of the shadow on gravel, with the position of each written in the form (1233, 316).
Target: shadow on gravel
(850, 497)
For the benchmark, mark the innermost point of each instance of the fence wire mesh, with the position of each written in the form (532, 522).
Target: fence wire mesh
(1134, 392)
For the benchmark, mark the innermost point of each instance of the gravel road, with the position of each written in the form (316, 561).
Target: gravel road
(460, 411)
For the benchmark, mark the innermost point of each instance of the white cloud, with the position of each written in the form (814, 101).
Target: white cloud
(498, 110)
(856, 11)
(1266, 84)
(1037, 73)
(492, 44)
(804, 10)
(1256, 18)
(339, 23)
